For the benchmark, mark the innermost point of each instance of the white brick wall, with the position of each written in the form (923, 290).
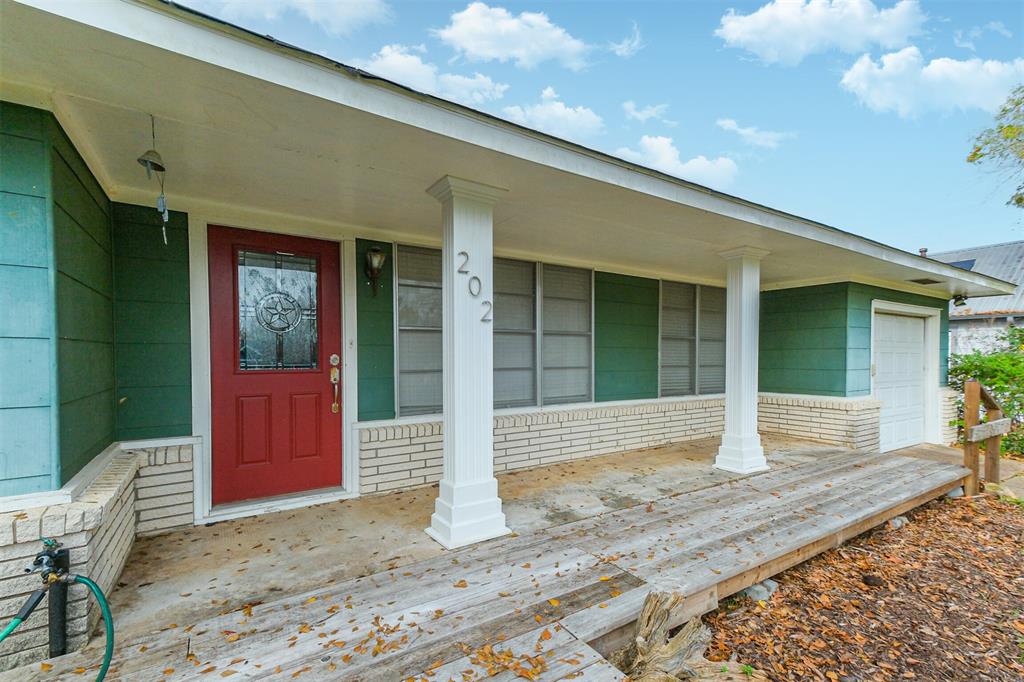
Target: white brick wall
(142, 491)
(948, 412)
(164, 490)
(98, 528)
(398, 456)
(850, 422)
(408, 455)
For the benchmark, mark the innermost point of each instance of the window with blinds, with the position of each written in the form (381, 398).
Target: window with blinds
(515, 333)
(566, 341)
(711, 351)
(678, 338)
(692, 339)
(419, 330)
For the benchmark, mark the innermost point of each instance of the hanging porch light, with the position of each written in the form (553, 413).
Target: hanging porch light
(154, 164)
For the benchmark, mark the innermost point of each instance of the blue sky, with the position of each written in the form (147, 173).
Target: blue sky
(855, 113)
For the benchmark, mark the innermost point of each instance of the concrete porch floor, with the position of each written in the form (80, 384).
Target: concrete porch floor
(184, 576)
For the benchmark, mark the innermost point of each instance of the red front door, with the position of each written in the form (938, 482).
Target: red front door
(275, 337)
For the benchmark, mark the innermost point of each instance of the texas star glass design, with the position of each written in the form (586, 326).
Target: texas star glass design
(277, 311)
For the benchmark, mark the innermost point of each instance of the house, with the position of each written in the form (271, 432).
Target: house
(360, 288)
(979, 324)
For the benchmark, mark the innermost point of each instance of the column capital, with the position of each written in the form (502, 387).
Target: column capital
(744, 252)
(449, 186)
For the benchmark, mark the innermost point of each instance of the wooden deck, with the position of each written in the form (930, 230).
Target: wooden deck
(561, 594)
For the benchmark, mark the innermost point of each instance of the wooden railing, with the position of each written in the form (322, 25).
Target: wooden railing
(990, 431)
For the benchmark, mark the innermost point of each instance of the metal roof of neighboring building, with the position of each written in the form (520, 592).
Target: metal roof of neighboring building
(1003, 261)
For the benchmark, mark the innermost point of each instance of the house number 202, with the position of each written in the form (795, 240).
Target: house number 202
(475, 286)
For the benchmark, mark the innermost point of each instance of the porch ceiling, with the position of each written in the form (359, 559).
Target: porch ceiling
(235, 139)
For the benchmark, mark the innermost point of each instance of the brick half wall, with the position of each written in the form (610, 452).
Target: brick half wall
(399, 456)
(140, 491)
(850, 422)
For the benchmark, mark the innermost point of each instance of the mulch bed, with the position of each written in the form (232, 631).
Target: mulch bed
(944, 600)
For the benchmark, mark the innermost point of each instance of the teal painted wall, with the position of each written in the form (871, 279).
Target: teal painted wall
(152, 346)
(93, 307)
(85, 306)
(858, 364)
(803, 340)
(817, 340)
(375, 336)
(28, 415)
(626, 311)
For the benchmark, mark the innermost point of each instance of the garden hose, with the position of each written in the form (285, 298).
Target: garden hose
(36, 597)
(26, 610)
(108, 621)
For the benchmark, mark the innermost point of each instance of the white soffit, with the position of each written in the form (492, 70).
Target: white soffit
(243, 121)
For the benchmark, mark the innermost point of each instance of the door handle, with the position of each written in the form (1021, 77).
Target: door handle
(335, 378)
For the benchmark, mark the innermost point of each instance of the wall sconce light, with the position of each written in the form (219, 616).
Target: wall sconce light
(375, 266)
(959, 301)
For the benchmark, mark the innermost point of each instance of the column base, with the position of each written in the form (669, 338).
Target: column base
(741, 455)
(467, 513)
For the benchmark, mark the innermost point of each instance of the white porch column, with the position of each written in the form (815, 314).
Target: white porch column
(468, 508)
(741, 449)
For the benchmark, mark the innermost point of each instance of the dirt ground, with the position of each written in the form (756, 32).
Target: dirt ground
(941, 598)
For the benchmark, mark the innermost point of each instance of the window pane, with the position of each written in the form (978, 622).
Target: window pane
(678, 329)
(419, 306)
(277, 311)
(567, 341)
(712, 340)
(514, 387)
(419, 266)
(419, 330)
(566, 386)
(515, 308)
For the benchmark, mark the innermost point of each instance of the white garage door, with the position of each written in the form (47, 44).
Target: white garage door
(899, 379)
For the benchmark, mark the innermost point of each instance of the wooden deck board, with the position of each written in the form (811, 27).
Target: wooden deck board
(579, 582)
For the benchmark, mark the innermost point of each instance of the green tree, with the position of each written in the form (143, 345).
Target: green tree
(1002, 373)
(1002, 145)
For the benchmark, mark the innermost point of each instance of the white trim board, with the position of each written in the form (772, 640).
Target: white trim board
(932, 329)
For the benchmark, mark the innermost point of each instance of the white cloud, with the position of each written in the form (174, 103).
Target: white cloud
(401, 64)
(484, 33)
(661, 154)
(904, 83)
(965, 39)
(753, 135)
(553, 116)
(652, 111)
(786, 31)
(629, 45)
(337, 17)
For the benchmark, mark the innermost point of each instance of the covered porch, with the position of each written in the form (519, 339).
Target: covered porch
(271, 596)
(473, 298)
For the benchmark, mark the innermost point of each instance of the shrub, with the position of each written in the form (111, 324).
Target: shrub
(1002, 373)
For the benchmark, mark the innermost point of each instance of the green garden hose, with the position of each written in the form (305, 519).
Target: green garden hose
(26, 610)
(108, 621)
(10, 628)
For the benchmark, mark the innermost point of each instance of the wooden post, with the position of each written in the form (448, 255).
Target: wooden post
(992, 447)
(972, 403)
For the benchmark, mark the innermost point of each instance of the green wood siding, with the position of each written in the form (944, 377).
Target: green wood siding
(28, 420)
(817, 340)
(625, 337)
(85, 306)
(93, 307)
(860, 297)
(152, 330)
(803, 340)
(376, 336)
